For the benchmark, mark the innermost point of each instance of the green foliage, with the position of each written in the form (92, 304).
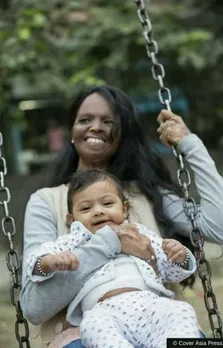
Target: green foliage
(56, 46)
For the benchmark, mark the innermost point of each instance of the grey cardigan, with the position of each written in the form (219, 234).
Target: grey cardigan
(168, 272)
(42, 301)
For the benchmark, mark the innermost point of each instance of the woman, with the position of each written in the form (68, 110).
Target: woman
(106, 134)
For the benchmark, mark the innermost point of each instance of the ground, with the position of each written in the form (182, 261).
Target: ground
(7, 313)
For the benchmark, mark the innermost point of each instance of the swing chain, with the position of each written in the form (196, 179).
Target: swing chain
(184, 179)
(12, 258)
(152, 50)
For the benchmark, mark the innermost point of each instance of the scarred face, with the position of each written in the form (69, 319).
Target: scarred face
(92, 132)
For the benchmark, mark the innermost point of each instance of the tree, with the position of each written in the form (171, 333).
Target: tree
(56, 46)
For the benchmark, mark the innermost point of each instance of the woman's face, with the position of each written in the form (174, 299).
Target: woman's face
(92, 132)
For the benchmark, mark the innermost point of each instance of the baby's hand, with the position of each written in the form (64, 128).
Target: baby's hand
(64, 261)
(174, 250)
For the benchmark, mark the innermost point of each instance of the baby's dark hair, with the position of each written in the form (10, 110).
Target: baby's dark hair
(84, 178)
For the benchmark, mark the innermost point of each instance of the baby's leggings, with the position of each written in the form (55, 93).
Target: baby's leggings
(137, 319)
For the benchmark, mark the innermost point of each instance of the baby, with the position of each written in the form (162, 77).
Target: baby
(124, 303)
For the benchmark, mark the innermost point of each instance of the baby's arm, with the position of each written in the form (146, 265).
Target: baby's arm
(170, 271)
(57, 255)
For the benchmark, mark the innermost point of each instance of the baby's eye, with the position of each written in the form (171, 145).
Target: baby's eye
(108, 203)
(85, 208)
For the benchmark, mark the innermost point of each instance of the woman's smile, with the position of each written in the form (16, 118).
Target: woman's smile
(94, 140)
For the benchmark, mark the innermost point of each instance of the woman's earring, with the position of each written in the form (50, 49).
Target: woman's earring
(126, 217)
(72, 141)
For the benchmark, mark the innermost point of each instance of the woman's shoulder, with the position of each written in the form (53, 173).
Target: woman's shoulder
(53, 199)
(48, 192)
(133, 191)
(50, 196)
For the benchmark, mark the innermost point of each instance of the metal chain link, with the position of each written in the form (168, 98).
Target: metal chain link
(12, 258)
(184, 179)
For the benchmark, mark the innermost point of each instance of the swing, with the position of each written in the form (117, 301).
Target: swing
(184, 180)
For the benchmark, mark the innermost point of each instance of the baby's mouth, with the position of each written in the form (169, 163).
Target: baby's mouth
(101, 222)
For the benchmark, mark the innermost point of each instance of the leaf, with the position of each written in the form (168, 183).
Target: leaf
(39, 20)
(24, 33)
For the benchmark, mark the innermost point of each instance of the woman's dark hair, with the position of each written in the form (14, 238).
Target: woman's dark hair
(86, 177)
(135, 160)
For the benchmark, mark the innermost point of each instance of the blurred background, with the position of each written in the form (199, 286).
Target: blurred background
(50, 49)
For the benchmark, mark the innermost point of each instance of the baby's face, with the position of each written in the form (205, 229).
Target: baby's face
(98, 205)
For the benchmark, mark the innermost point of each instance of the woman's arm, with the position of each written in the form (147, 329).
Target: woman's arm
(42, 301)
(209, 185)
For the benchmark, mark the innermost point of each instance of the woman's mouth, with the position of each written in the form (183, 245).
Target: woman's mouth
(95, 140)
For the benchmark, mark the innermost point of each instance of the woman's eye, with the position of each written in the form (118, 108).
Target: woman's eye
(109, 121)
(84, 120)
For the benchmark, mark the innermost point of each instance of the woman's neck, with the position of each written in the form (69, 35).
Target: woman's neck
(88, 165)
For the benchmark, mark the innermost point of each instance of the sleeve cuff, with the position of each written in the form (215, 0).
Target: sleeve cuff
(33, 277)
(113, 243)
(192, 265)
(188, 142)
(39, 279)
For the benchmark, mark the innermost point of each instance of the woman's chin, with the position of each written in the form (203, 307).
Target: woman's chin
(94, 160)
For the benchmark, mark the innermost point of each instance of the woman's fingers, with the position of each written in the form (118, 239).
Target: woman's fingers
(124, 228)
(136, 245)
(166, 131)
(133, 242)
(172, 128)
(164, 126)
(165, 137)
(166, 115)
(129, 227)
(130, 230)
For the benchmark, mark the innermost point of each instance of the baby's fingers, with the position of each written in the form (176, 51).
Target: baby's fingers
(69, 262)
(172, 252)
(167, 244)
(74, 263)
(177, 257)
(62, 263)
(180, 256)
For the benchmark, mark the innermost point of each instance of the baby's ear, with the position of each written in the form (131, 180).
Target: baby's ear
(126, 208)
(69, 219)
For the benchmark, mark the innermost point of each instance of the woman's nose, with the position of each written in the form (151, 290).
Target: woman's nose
(96, 126)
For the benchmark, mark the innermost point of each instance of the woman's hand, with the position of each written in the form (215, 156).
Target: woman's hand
(133, 243)
(172, 128)
(174, 250)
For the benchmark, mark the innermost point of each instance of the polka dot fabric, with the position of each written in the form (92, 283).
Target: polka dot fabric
(137, 319)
